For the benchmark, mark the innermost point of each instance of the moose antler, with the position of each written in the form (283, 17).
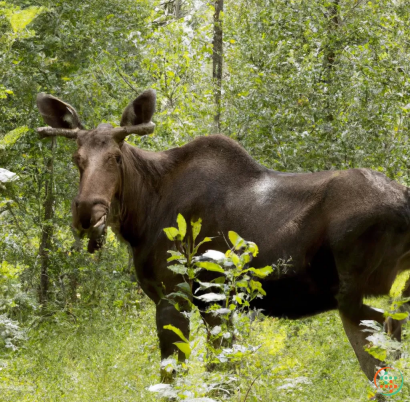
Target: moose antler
(118, 133)
(53, 132)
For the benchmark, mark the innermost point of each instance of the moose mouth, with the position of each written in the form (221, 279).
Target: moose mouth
(96, 234)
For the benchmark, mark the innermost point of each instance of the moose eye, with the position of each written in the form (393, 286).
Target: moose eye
(118, 158)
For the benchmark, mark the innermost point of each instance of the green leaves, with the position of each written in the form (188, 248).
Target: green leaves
(176, 331)
(181, 225)
(196, 228)
(206, 240)
(175, 234)
(172, 233)
(210, 266)
(399, 316)
(178, 269)
(263, 272)
(18, 18)
(396, 315)
(395, 312)
(11, 137)
(182, 346)
(257, 286)
(236, 240)
(377, 352)
(260, 272)
(176, 255)
(239, 243)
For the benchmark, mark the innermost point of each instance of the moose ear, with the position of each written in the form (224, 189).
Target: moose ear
(57, 113)
(140, 110)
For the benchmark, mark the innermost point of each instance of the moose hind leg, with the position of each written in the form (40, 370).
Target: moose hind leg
(357, 339)
(352, 311)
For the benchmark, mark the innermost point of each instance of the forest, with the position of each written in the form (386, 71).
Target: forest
(302, 86)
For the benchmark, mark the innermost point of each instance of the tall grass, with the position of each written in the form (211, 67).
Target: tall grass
(111, 354)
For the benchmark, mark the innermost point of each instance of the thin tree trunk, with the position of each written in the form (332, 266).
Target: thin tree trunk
(47, 227)
(330, 54)
(177, 9)
(217, 59)
(329, 133)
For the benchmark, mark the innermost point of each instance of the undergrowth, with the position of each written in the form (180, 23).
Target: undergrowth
(112, 354)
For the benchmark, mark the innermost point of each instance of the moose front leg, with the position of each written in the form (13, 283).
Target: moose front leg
(167, 314)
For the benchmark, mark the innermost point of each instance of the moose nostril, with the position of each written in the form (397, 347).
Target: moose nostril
(85, 224)
(77, 204)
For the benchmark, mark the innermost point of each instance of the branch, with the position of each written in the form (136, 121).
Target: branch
(8, 207)
(124, 78)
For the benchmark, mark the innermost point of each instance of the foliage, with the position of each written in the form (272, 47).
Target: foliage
(113, 354)
(10, 332)
(306, 86)
(228, 297)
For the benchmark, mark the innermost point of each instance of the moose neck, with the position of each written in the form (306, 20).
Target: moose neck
(138, 194)
(149, 180)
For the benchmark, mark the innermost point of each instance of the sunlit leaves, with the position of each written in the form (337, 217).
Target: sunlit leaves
(399, 284)
(183, 346)
(210, 266)
(9, 271)
(11, 137)
(397, 316)
(176, 331)
(261, 272)
(19, 18)
(257, 286)
(181, 225)
(196, 228)
(172, 233)
(236, 240)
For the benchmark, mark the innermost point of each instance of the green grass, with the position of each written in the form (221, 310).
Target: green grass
(112, 355)
(107, 357)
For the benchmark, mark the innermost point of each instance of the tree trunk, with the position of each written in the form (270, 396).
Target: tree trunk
(177, 9)
(217, 58)
(47, 227)
(330, 54)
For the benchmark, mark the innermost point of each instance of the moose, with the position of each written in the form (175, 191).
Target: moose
(347, 233)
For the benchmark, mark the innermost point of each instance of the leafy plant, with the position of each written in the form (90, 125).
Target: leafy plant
(229, 294)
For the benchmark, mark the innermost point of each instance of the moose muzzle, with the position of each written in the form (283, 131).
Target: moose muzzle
(90, 219)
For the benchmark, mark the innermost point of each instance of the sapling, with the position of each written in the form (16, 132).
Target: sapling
(229, 294)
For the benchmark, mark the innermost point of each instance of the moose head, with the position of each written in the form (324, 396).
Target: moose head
(98, 157)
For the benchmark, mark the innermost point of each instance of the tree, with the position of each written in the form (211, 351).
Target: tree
(217, 61)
